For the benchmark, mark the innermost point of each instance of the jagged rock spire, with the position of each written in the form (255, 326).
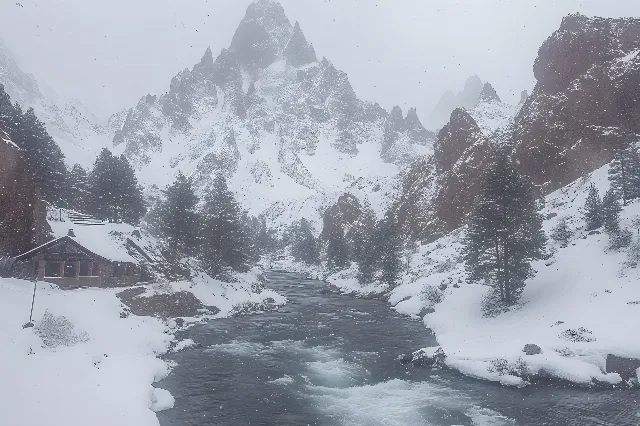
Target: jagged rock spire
(489, 94)
(298, 51)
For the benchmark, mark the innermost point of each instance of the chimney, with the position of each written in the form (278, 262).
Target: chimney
(71, 233)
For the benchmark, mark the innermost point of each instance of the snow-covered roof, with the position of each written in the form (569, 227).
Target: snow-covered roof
(112, 241)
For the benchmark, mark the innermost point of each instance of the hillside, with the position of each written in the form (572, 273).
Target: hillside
(579, 308)
(75, 129)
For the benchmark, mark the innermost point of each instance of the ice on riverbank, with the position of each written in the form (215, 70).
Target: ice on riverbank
(583, 304)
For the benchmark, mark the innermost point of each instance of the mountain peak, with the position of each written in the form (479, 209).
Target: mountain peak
(262, 34)
(489, 94)
(298, 51)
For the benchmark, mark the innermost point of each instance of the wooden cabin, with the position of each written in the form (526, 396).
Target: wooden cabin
(65, 262)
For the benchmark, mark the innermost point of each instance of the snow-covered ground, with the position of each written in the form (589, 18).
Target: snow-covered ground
(90, 368)
(583, 304)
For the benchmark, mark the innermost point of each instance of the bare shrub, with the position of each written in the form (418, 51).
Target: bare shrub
(58, 331)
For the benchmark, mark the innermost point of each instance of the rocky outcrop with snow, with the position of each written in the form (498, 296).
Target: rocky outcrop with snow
(286, 128)
(468, 98)
(586, 99)
(76, 130)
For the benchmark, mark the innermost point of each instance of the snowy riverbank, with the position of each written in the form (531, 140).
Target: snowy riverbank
(87, 361)
(583, 304)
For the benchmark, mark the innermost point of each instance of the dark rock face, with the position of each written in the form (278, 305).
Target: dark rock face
(531, 349)
(454, 138)
(489, 94)
(627, 368)
(298, 51)
(586, 100)
(23, 220)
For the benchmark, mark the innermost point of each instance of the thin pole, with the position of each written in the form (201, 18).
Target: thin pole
(35, 284)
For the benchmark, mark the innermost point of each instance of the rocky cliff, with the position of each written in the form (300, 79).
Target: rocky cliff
(587, 99)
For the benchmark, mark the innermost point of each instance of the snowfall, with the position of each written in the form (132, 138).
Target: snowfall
(583, 304)
(86, 362)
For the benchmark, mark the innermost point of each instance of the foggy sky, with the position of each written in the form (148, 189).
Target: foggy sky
(404, 52)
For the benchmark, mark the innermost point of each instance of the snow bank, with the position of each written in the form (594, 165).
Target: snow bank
(583, 304)
(81, 364)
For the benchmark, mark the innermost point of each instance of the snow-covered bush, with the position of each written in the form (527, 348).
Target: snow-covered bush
(633, 254)
(561, 233)
(431, 294)
(620, 239)
(58, 331)
(503, 367)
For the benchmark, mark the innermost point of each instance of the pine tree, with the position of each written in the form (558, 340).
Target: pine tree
(361, 233)
(77, 192)
(265, 238)
(505, 232)
(624, 172)
(114, 190)
(304, 246)
(593, 209)
(561, 232)
(611, 212)
(177, 220)
(224, 243)
(389, 248)
(337, 249)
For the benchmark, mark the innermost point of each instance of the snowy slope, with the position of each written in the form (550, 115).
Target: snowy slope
(583, 291)
(76, 130)
(286, 128)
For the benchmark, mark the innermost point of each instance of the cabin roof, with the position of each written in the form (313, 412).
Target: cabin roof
(53, 243)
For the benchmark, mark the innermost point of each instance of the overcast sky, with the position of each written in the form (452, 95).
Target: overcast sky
(109, 53)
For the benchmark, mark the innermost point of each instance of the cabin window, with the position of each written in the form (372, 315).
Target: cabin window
(52, 269)
(70, 270)
(85, 268)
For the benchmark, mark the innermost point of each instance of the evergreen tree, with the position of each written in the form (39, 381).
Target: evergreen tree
(224, 243)
(611, 212)
(361, 233)
(389, 249)
(624, 172)
(114, 190)
(337, 249)
(176, 216)
(593, 209)
(77, 190)
(42, 156)
(561, 232)
(265, 238)
(505, 232)
(305, 246)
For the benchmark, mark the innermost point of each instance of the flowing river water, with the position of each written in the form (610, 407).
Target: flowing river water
(326, 359)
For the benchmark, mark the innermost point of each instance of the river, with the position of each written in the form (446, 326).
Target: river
(326, 359)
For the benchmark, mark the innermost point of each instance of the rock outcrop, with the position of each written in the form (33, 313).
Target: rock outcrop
(586, 100)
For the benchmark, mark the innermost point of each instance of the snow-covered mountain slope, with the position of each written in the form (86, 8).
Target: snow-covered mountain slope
(76, 130)
(287, 129)
(583, 304)
(490, 112)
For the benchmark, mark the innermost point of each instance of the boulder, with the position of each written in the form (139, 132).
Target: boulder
(627, 368)
(427, 357)
(532, 349)
(426, 311)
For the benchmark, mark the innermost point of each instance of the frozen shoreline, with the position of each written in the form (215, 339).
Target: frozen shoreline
(579, 309)
(87, 360)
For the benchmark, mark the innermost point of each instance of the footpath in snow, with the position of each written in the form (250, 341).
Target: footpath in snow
(582, 306)
(88, 360)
